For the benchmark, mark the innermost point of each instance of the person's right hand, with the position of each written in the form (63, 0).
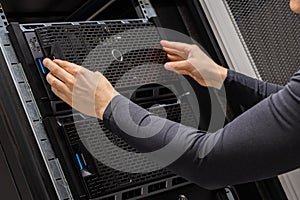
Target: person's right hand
(190, 60)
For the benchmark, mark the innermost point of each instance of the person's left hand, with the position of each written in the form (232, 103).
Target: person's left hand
(86, 91)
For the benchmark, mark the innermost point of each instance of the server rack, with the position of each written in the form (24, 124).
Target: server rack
(260, 190)
(35, 112)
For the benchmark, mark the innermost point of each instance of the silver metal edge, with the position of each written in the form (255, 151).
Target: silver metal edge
(229, 38)
(290, 183)
(147, 9)
(128, 21)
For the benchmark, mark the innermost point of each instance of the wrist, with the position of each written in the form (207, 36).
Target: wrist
(219, 74)
(102, 105)
(104, 94)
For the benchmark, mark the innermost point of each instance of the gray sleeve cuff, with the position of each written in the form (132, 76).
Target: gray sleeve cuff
(107, 115)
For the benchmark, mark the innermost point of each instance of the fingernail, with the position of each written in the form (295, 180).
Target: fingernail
(45, 61)
(168, 65)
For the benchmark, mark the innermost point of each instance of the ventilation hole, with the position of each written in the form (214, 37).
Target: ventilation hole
(132, 194)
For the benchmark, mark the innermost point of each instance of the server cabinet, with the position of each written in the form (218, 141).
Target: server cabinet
(192, 18)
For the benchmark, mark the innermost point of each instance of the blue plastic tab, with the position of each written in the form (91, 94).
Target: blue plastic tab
(79, 161)
(41, 65)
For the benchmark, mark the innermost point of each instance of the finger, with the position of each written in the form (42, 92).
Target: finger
(58, 84)
(175, 52)
(68, 66)
(179, 65)
(59, 72)
(62, 96)
(175, 45)
(174, 58)
(182, 72)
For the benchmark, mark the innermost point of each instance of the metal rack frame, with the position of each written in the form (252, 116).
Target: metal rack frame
(34, 118)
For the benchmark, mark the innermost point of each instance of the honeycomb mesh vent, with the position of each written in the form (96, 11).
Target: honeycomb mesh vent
(271, 33)
(128, 54)
(108, 179)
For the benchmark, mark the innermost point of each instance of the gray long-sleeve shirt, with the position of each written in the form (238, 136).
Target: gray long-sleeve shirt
(262, 142)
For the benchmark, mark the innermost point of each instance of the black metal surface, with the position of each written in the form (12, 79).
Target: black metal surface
(34, 11)
(272, 34)
(19, 145)
(271, 189)
(87, 9)
(191, 192)
(137, 41)
(37, 11)
(105, 179)
(8, 189)
(24, 55)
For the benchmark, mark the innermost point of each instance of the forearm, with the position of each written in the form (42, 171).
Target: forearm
(246, 91)
(261, 143)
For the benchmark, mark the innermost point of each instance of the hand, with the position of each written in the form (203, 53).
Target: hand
(190, 60)
(86, 91)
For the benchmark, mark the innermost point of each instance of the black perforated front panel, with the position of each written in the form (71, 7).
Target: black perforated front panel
(271, 33)
(105, 179)
(130, 56)
(113, 49)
